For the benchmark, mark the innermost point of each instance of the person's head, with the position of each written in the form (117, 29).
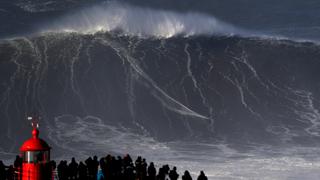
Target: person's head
(202, 173)
(186, 172)
(128, 156)
(174, 168)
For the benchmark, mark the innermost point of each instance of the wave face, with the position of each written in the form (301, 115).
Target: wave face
(197, 88)
(137, 21)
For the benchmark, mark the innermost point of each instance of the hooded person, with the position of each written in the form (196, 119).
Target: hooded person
(100, 175)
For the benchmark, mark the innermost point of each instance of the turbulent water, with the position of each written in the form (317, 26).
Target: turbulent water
(185, 88)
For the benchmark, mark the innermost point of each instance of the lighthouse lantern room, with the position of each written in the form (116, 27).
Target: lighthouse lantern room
(35, 154)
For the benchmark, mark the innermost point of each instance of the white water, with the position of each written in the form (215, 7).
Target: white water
(90, 135)
(141, 22)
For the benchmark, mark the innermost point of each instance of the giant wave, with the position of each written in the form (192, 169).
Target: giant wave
(127, 79)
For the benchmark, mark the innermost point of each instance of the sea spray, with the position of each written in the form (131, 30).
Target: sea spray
(138, 21)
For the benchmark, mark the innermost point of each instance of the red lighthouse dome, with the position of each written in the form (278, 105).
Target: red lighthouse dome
(34, 143)
(35, 154)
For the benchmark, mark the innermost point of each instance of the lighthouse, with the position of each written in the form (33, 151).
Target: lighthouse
(35, 154)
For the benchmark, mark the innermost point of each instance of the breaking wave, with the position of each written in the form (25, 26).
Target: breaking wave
(138, 21)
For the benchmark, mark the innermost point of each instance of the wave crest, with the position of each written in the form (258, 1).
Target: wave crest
(141, 22)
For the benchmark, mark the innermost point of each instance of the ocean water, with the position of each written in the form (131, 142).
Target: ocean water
(231, 88)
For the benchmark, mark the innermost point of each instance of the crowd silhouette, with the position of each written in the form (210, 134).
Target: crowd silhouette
(106, 168)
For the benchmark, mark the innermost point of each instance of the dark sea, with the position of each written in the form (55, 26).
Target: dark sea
(229, 87)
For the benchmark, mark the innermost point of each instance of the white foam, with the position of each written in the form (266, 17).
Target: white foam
(89, 135)
(83, 136)
(141, 22)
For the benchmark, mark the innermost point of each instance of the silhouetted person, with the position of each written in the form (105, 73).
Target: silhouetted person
(186, 176)
(128, 173)
(48, 172)
(144, 166)
(166, 169)
(173, 175)
(118, 168)
(83, 175)
(73, 169)
(92, 165)
(62, 170)
(17, 162)
(2, 170)
(17, 165)
(10, 173)
(161, 175)
(109, 167)
(138, 168)
(113, 167)
(202, 176)
(53, 166)
(152, 172)
(127, 161)
(95, 164)
(89, 163)
(163, 172)
(103, 166)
